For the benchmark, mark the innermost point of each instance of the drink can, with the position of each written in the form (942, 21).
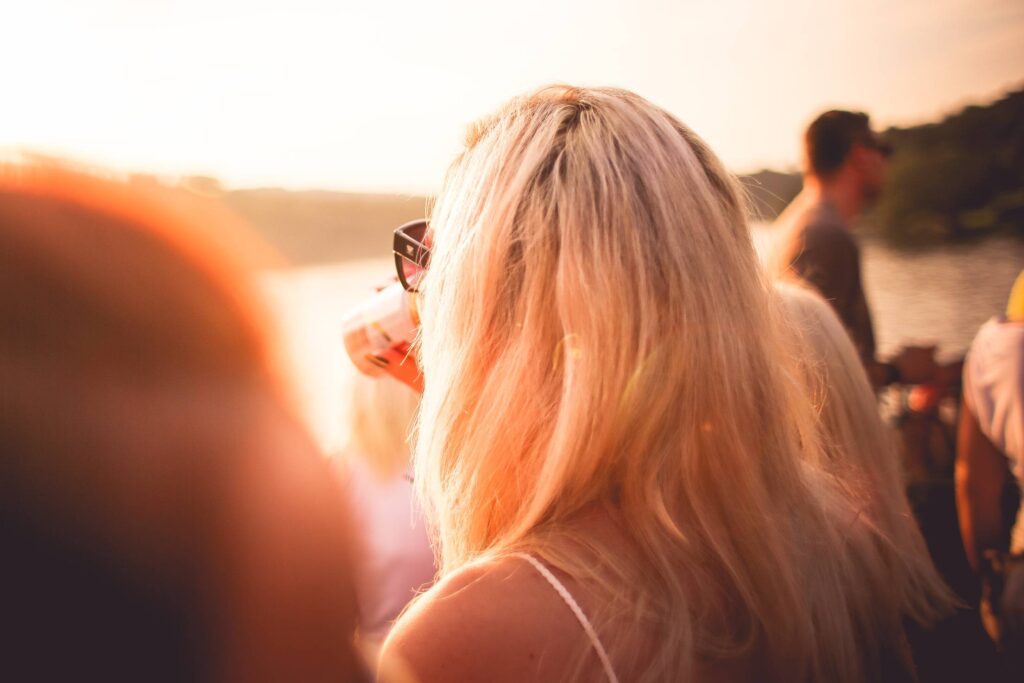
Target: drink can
(385, 322)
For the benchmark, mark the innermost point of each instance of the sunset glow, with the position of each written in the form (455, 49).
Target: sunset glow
(375, 96)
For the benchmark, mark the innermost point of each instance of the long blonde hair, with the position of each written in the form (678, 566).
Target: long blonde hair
(379, 416)
(596, 330)
(863, 452)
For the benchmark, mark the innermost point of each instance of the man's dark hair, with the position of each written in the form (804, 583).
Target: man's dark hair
(830, 137)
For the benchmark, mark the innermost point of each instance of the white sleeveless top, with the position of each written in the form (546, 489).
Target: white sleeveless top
(994, 390)
(566, 596)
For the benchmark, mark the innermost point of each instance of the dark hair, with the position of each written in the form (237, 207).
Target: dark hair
(830, 137)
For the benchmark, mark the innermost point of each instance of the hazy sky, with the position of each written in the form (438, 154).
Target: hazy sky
(376, 95)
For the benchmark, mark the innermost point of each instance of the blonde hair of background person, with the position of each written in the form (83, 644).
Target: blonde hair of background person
(397, 560)
(165, 515)
(607, 389)
(863, 452)
(379, 415)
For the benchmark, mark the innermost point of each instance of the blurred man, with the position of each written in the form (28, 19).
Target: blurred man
(845, 164)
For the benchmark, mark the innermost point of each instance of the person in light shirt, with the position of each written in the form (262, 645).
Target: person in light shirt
(990, 452)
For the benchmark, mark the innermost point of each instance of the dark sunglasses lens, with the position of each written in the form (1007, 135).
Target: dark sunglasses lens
(417, 231)
(411, 274)
(410, 247)
(407, 272)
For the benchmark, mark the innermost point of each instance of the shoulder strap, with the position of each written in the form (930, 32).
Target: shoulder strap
(566, 596)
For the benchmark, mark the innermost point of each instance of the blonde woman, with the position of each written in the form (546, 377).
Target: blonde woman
(612, 446)
(397, 558)
(863, 452)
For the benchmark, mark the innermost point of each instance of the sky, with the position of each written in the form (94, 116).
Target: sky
(376, 96)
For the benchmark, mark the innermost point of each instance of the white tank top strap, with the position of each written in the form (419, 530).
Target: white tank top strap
(566, 596)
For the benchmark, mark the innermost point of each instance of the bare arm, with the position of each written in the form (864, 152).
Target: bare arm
(981, 472)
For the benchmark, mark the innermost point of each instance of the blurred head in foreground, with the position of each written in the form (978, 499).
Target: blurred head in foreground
(597, 335)
(863, 452)
(164, 515)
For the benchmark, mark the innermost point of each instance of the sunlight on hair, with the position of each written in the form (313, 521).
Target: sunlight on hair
(590, 214)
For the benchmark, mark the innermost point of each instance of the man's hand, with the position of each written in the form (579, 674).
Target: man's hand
(916, 364)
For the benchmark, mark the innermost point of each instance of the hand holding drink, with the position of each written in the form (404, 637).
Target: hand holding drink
(379, 333)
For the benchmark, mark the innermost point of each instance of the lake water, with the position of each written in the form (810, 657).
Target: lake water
(939, 295)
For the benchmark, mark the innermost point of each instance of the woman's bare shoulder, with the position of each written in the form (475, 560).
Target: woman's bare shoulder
(495, 621)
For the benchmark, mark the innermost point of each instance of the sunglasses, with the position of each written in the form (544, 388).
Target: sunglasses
(411, 253)
(880, 146)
